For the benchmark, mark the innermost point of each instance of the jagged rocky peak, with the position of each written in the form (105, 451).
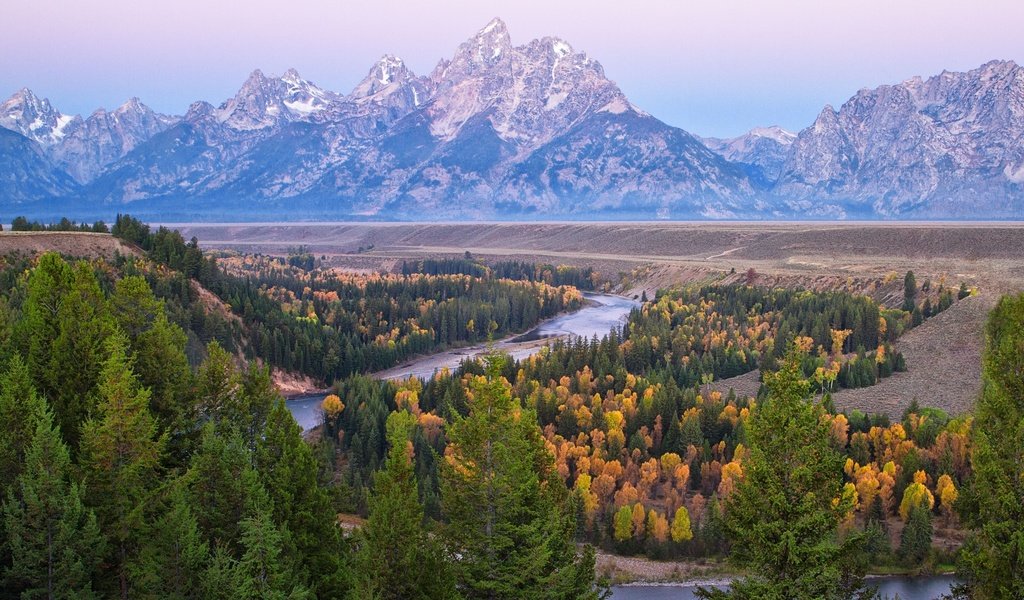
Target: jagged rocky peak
(527, 93)
(387, 75)
(36, 118)
(489, 47)
(264, 101)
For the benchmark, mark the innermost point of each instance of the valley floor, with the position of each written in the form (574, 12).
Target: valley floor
(943, 354)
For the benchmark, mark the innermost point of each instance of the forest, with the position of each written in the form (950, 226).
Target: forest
(133, 465)
(329, 325)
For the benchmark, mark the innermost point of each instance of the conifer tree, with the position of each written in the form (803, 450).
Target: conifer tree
(174, 556)
(783, 518)
(264, 572)
(78, 352)
(992, 561)
(397, 558)
(53, 539)
(158, 347)
(119, 455)
(510, 520)
(21, 408)
(216, 493)
(38, 327)
(289, 471)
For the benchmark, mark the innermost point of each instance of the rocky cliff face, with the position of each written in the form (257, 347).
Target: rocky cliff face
(947, 146)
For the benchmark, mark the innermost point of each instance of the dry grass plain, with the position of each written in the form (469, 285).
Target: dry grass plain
(943, 355)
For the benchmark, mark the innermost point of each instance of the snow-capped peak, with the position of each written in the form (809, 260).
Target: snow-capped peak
(35, 118)
(488, 45)
(264, 101)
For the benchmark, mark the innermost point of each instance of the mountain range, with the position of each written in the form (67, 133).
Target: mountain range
(499, 131)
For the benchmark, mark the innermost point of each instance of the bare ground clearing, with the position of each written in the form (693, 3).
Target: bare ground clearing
(79, 244)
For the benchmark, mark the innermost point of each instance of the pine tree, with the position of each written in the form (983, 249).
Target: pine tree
(510, 520)
(916, 538)
(992, 562)
(782, 519)
(289, 471)
(216, 493)
(158, 347)
(54, 541)
(78, 353)
(397, 558)
(118, 459)
(174, 556)
(263, 572)
(38, 327)
(909, 292)
(20, 411)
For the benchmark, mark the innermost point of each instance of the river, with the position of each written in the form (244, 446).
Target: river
(597, 317)
(908, 588)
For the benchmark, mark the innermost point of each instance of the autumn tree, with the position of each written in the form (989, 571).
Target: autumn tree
(681, 531)
(783, 517)
(992, 563)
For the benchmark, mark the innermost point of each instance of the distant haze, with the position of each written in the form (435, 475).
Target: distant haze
(714, 67)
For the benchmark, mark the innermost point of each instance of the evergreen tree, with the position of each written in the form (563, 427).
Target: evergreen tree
(158, 347)
(263, 572)
(289, 471)
(119, 456)
(909, 292)
(78, 352)
(20, 411)
(38, 327)
(783, 518)
(397, 558)
(916, 538)
(53, 539)
(992, 561)
(174, 556)
(509, 518)
(216, 493)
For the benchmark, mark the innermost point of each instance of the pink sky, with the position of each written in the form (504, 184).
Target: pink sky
(712, 67)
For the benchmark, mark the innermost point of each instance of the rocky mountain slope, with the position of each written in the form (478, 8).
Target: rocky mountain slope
(505, 131)
(947, 146)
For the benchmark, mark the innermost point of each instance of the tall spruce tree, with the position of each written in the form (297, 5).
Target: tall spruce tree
(510, 520)
(783, 519)
(39, 326)
(53, 540)
(397, 558)
(992, 561)
(174, 557)
(78, 353)
(20, 411)
(118, 460)
(265, 571)
(289, 470)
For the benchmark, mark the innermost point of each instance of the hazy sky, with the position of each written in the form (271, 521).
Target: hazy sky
(714, 67)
